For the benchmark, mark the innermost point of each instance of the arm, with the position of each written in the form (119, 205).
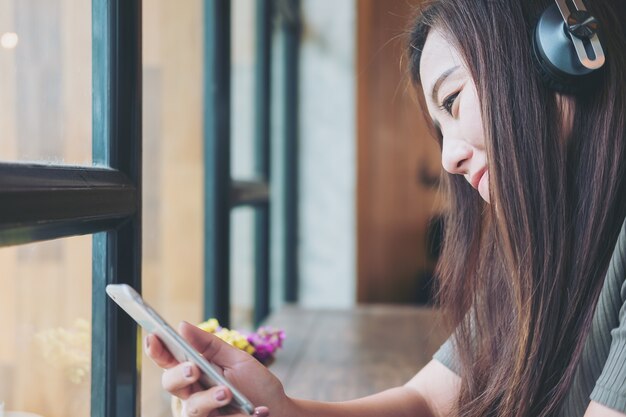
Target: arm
(430, 393)
(598, 410)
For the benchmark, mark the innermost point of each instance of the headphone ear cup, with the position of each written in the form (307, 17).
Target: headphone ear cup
(555, 55)
(553, 82)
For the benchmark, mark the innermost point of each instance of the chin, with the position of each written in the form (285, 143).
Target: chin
(484, 194)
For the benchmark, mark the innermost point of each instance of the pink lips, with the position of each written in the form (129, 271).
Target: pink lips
(475, 179)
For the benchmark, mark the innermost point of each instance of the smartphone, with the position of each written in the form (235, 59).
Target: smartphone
(131, 302)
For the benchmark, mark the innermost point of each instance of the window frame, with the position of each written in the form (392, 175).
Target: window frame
(42, 202)
(222, 193)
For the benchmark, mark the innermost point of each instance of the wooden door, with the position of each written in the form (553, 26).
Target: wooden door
(397, 160)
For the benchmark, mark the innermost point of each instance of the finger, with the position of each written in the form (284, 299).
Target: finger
(180, 380)
(158, 352)
(203, 403)
(261, 412)
(212, 347)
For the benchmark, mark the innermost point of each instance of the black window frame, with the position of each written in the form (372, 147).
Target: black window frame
(43, 202)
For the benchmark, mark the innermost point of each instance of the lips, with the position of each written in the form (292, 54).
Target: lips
(475, 179)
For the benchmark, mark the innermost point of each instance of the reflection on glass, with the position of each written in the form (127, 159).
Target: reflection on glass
(9, 40)
(45, 320)
(45, 81)
(173, 174)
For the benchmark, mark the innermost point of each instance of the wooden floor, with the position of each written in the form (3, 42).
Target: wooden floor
(335, 355)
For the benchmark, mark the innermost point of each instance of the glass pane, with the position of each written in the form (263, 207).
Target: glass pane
(45, 319)
(45, 80)
(173, 175)
(242, 84)
(243, 34)
(242, 268)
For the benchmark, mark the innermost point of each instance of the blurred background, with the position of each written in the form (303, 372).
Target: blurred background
(359, 173)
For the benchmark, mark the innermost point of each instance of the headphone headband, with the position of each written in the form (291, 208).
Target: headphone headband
(567, 47)
(582, 27)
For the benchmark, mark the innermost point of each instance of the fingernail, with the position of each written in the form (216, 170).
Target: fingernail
(187, 371)
(220, 395)
(262, 412)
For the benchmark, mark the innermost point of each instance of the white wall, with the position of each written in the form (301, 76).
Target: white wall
(327, 159)
(327, 154)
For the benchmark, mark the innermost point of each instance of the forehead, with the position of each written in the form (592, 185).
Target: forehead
(438, 56)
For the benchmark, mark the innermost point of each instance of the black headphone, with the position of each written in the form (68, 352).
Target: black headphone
(567, 48)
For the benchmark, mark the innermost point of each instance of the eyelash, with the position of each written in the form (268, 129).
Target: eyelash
(448, 102)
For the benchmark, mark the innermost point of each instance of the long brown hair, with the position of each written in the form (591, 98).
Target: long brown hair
(520, 277)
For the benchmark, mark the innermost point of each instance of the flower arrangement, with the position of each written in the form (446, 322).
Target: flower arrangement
(261, 344)
(68, 349)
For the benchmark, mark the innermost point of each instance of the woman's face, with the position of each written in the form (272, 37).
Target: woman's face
(452, 102)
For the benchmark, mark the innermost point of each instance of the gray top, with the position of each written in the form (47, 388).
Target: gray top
(601, 373)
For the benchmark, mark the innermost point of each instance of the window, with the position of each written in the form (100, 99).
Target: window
(45, 320)
(45, 80)
(52, 199)
(71, 218)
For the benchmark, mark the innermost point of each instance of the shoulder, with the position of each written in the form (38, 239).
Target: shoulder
(610, 388)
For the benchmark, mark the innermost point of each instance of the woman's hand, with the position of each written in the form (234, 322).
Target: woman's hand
(242, 370)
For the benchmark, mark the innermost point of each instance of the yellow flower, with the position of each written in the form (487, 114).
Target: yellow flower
(236, 339)
(209, 326)
(232, 337)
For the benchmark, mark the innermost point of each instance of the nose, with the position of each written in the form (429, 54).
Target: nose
(455, 155)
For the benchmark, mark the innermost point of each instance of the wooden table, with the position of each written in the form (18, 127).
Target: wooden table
(335, 355)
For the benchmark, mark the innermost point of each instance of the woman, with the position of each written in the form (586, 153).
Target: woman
(537, 199)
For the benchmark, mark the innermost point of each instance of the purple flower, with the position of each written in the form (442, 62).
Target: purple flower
(266, 342)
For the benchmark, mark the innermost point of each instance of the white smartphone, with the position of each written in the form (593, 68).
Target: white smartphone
(131, 302)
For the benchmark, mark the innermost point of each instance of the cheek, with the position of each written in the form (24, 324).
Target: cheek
(471, 119)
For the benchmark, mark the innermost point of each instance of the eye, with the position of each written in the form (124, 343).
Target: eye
(448, 102)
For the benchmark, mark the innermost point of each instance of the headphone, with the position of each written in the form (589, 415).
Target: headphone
(567, 48)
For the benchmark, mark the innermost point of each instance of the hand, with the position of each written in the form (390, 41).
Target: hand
(253, 379)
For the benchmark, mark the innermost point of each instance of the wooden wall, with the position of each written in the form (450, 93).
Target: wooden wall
(395, 152)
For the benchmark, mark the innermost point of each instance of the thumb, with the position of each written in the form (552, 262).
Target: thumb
(212, 347)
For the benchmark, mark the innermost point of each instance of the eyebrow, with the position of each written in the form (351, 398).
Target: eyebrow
(440, 81)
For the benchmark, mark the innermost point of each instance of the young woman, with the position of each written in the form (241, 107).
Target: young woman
(533, 266)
